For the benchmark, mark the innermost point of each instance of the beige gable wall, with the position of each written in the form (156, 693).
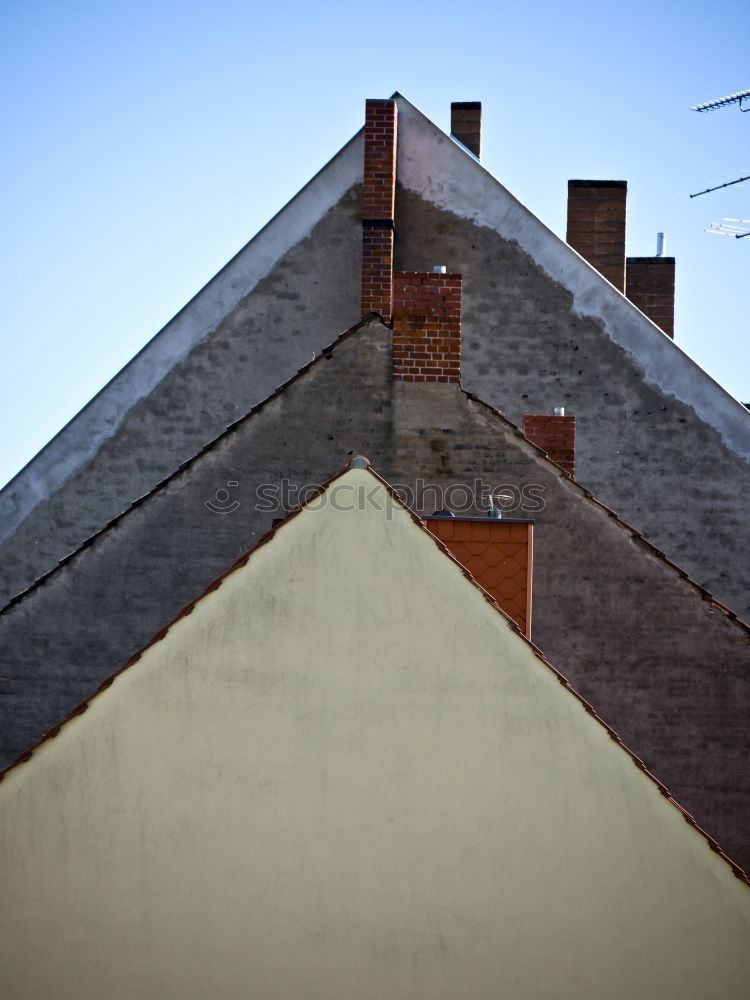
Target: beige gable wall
(344, 774)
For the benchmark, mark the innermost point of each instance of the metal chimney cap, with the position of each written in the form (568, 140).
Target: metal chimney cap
(440, 269)
(360, 462)
(559, 411)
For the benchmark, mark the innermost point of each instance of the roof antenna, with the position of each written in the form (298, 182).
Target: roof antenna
(722, 102)
(496, 513)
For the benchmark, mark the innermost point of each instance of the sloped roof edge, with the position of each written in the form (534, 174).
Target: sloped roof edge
(589, 497)
(585, 494)
(269, 535)
(100, 418)
(87, 542)
(438, 170)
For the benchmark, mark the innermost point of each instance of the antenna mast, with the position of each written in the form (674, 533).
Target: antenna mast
(728, 227)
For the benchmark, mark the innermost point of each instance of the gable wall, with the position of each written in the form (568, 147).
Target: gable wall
(262, 318)
(664, 668)
(396, 800)
(657, 440)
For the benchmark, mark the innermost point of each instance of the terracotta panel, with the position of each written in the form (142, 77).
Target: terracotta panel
(498, 556)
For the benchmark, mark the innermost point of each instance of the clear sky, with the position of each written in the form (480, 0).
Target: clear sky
(145, 143)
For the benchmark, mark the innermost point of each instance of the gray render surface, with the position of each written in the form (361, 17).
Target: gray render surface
(657, 440)
(273, 331)
(644, 453)
(660, 664)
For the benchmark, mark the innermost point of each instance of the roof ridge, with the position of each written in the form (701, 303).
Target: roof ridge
(244, 559)
(325, 352)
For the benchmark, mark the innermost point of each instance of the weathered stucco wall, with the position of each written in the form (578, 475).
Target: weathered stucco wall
(657, 440)
(665, 668)
(344, 774)
(262, 318)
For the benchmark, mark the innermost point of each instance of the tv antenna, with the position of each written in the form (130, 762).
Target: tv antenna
(729, 227)
(718, 187)
(722, 102)
(739, 228)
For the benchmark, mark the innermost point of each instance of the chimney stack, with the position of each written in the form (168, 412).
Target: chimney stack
(378, 205)
(426, 326)
(554, 434)
(466, 125)
(650, 286)
(596, 226)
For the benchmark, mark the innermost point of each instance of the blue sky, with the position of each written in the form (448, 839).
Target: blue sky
(144, 144)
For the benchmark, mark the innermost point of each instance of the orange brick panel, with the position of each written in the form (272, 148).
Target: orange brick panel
(498, 554)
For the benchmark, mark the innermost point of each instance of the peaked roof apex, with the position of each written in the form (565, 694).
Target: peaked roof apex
(359, 468)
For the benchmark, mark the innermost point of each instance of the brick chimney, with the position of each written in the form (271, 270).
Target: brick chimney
(554, 434)
(466, 124)
(650, 286)
(596, 225)
(426, 326)
(378, 202)
(498, 554)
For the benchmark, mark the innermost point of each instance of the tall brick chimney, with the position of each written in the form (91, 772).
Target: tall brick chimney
(466, 125)
(378, 202)
(650, 286)
(426, 326)
(596, 225)
(554, 434)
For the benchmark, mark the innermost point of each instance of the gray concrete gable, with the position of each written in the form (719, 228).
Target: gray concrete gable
(660, 662)
(658, 440)
(252, 326)
(438, 170)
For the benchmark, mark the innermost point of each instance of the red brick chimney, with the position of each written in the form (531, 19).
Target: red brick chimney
(556, 435)
(378, 203)
(650, 286)
(596, 225)
(466, 125)
(426, 326)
